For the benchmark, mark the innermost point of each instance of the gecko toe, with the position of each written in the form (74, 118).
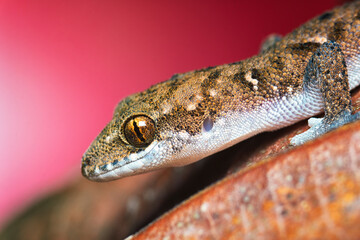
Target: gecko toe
(313, 121)
(320, 126)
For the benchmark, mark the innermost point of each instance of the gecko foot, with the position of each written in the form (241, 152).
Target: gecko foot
(320, 126)
(313, 121)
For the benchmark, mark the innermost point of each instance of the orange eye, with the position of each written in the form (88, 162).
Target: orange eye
(139, 130)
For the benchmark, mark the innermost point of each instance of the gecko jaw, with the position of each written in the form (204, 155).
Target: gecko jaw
(127, 166)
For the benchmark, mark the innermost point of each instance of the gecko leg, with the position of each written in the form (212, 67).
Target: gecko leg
(327, 71)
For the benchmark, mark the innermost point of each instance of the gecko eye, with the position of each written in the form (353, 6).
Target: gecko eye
(139, 130)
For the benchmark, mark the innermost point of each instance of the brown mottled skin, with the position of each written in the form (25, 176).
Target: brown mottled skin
(186, 100)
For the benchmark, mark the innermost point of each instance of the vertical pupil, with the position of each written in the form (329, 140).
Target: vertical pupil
(137, 131)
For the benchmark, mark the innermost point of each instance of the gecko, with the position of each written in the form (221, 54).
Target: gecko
(195, 114)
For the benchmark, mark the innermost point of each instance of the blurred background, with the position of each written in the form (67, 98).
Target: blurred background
(64, 65)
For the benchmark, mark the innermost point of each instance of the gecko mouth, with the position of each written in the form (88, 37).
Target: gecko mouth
(125, 167)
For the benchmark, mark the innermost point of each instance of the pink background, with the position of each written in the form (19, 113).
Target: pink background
(64, 65)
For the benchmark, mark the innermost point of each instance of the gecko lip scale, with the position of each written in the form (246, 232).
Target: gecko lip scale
(124, 167)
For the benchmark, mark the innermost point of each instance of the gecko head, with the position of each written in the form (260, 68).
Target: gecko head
(120, 149)
(173, 123)
(138, 139)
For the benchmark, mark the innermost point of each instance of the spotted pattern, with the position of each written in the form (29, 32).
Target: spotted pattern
(183, 103)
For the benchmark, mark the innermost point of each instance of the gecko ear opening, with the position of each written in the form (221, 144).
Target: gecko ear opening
(139, 130)
(208, 124)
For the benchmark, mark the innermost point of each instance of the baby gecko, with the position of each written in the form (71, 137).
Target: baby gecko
(198, 113)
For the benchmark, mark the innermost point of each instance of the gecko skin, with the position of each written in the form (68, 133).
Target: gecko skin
(198, 113)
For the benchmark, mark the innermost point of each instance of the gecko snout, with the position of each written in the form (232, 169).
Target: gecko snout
(85, 165)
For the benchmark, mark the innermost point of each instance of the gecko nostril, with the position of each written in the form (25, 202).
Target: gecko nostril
(84, 171)
(86, 161)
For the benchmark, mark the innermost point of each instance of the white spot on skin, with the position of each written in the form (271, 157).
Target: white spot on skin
(212, 92)
(191, 107)
(110, 137)
(290, 89)
(318, 39)
(274, 88)
(198, 97)
(202, 78)
(166, 108)
(253, 81)
(227, 72)
(184, 135)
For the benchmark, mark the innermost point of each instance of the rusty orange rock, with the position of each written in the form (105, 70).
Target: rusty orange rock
(309, 192)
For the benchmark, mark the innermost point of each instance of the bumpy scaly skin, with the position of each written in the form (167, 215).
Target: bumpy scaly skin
(204, 111)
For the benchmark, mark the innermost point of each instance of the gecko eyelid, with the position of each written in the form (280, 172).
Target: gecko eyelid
(139, 130)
